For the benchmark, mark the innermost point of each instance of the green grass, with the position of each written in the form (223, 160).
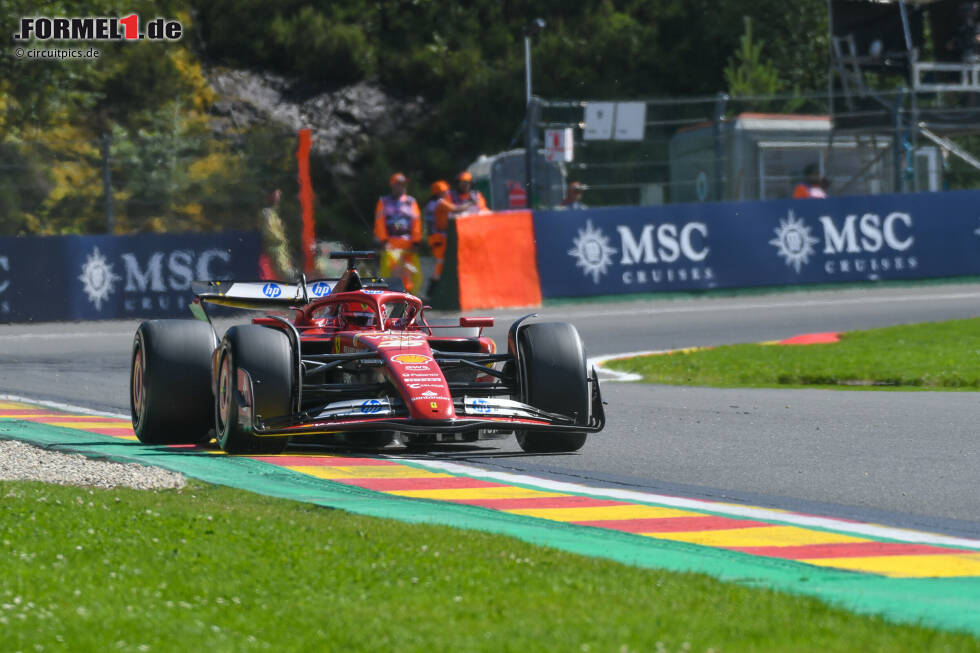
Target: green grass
(930, 356)
(211, 568)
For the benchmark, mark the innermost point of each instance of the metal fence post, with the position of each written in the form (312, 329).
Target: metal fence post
(898, 143)
(530, 147)
(720, 105)
(110, 222)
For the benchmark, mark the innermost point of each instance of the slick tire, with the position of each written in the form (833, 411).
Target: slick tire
(266, 355)
(553, 364)
(170, 381)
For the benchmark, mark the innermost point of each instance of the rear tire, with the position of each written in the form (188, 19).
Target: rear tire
(554, 368)
(170, 381)
(265, 354)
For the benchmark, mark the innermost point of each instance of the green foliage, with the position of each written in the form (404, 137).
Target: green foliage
(932, 356)
(747, 72)
(319, 42)
(322, 47)
(22, 189)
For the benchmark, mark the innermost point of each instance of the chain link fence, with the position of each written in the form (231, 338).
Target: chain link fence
(727, 149)
(57, 183)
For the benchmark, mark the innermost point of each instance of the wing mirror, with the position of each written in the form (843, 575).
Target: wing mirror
(476, 321)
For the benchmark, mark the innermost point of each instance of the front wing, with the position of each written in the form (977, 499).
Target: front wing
(385, 414)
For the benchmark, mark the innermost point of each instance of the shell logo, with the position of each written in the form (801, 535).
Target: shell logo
(411, 358)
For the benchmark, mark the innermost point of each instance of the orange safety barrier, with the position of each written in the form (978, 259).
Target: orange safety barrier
(497, 261)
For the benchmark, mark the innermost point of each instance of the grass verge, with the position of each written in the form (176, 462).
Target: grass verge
(929, 356)
(211, 568)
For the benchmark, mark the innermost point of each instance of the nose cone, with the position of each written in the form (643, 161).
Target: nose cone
(434, 406)
(423, 387)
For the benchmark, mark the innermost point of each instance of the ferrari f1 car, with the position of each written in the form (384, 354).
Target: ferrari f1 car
(353, 361)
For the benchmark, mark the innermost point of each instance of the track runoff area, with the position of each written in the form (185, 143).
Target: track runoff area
(902, 575)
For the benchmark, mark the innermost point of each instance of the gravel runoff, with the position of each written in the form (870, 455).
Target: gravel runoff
(20, 461)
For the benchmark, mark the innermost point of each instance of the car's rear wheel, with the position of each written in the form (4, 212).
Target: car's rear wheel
(170, 381)
(554, 367)
(265, 355)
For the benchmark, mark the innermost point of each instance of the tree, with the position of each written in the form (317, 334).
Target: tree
(747, 73)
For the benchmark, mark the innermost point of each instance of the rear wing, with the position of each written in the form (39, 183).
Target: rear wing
(262, 295)
(265, 295)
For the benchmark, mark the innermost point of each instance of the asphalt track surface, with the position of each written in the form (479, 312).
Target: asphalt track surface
(906, 459)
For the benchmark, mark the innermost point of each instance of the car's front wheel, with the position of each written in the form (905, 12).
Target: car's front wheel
(266, 357)
(554, 367)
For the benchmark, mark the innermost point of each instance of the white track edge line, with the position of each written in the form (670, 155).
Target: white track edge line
(61, 406)
(796, 519)
(616, 375)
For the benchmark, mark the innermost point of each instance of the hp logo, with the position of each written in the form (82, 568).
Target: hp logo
(320, 289)
(271, 290)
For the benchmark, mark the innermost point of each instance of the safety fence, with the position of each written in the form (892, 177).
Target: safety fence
(721, 148)
(150, 181)
(695, 247)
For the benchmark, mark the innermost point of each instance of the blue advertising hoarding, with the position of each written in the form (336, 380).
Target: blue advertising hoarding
(32, 279)
(684, 247)
(116, 277)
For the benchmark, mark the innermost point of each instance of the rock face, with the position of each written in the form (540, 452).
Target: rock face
(343, 120)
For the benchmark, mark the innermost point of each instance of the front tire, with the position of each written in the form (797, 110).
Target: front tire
(266, 355)
(553, 364)
(170, 381)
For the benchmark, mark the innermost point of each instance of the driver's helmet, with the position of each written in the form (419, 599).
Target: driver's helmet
(357, 314)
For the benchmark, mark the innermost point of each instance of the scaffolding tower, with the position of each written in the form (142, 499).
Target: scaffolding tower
(934, 100)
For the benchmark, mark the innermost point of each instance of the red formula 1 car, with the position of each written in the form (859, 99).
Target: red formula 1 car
(349, 360)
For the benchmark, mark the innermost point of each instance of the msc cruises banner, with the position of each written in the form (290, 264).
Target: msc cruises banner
(740, 244)
(116, 277)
